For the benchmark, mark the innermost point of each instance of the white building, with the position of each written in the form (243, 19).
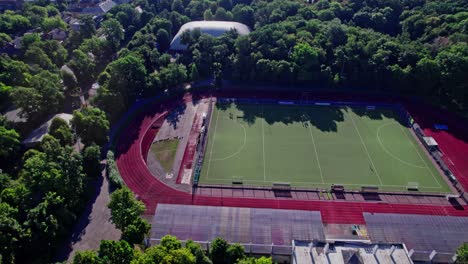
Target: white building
(310, 252)
(213, 28)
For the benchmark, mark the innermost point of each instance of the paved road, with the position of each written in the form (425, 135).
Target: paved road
(93, 226)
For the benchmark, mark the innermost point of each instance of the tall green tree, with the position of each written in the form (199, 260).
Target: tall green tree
(218, 250)
(45, 96)
(114, 32)
(125, 209)
(60, 129)
(462, 253)
(9, 145)
(91, 160)
(115, 252)
(91, 125)
(86, 257)
(124, 82)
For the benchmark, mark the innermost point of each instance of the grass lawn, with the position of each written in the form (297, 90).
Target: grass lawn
(315, 146)
(165, 152)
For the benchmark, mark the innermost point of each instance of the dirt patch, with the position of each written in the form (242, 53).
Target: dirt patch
(165, 152)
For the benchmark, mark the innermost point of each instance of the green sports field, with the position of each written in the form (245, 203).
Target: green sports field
(315, 146)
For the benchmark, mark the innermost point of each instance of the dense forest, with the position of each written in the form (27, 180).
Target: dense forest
(411, 47)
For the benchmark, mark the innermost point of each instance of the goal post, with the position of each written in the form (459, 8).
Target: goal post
(237, 180)
(412, 186)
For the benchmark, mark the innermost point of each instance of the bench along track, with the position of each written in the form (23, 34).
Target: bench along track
(133, 144)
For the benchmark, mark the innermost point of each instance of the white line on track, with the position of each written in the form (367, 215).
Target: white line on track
(365, 148)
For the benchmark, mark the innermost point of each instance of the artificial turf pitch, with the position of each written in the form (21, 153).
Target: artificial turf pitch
(315, 147)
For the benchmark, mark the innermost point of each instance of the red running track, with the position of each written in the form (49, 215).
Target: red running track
(453, 143)
(151, 191)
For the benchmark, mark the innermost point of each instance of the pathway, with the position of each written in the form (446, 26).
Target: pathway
(93, 226)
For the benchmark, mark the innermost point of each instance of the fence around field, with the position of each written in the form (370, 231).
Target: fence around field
(404, 117)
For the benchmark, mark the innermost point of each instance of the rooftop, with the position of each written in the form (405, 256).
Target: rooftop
(214, 28)
(38, 134)
(306, 252)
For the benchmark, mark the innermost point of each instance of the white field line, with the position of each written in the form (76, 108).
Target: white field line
(263, 146)
(212, 144)
(422, 159)
(240, 148)
(389, 153)
(316, 153)
(364, 145)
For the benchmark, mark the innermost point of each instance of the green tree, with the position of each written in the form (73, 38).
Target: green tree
(136, 231)
(12, 232)
(86, 257)
(35, 55)
(306, 59)
(244, 14)
(92, 160)
(177, 6)
(173, 75)
(125, 209)
(61, 130)
(218, 250)
(91, 125)
(14, 72)
(163, 39)
(12, 23)
(198, 252)
(50, 23)
(462, 253)
(194, 75)
(83, 66)
(222, 14)
(234, 253)
(88, 26)
(126, 81)
(44, 97)
(69, 80)
(114, 32)
(115, 252)
(56, 169)
(45, 221)
(9, 145)
(4, 39)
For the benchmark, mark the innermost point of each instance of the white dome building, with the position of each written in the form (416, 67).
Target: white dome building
(213, 28)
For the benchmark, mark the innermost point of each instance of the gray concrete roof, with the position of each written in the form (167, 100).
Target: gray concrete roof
(38, 134)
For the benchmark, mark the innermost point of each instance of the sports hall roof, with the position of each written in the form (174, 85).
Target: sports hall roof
(236, 225)
(213, 28)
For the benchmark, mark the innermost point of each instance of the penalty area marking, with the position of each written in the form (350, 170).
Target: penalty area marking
(391, 154)
(240, 148)
(422, 159)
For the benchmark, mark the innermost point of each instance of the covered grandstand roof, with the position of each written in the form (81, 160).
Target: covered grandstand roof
(214, 28)
(259, 227)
